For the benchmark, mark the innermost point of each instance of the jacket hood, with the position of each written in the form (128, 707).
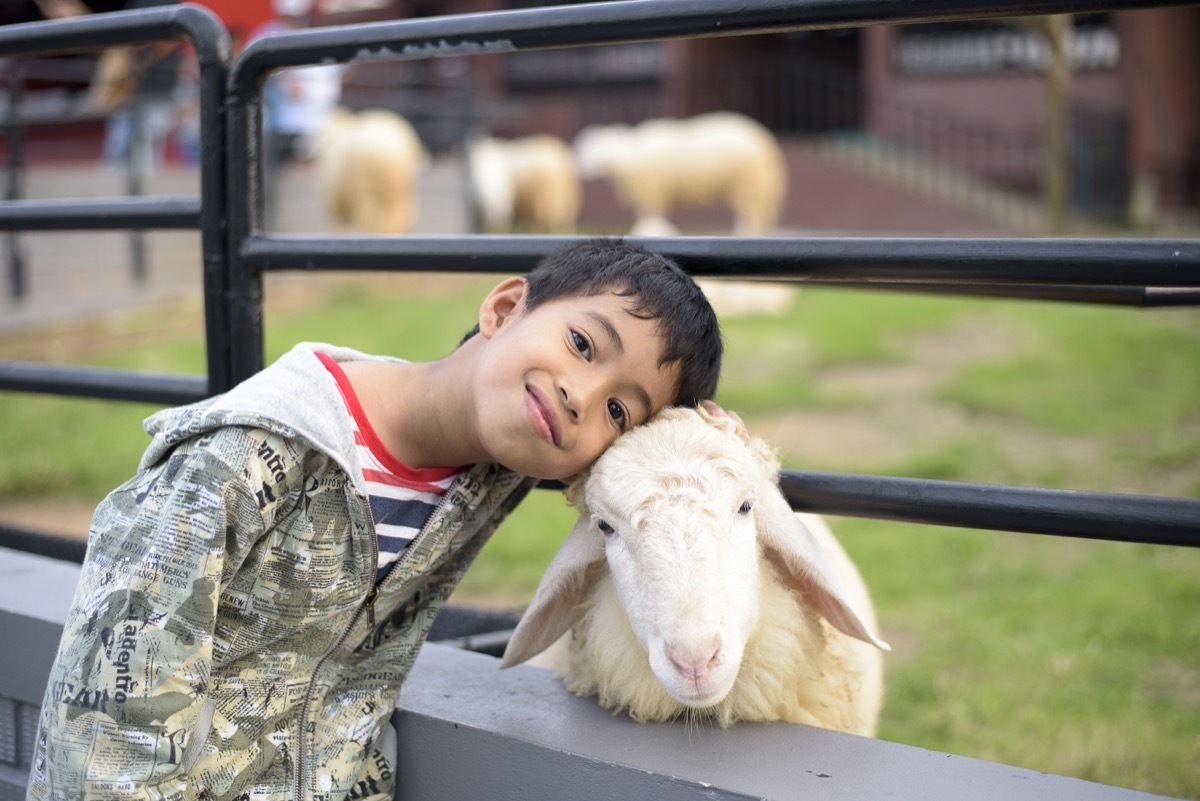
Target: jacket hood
(295, 397)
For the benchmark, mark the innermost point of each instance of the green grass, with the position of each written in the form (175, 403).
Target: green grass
(1091, 370)
(411, 319)
(1069, 656)
(68, 449)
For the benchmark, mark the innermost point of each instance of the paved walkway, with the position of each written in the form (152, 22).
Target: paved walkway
(73, 275)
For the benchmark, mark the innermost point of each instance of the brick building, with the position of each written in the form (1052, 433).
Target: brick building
(969, 96)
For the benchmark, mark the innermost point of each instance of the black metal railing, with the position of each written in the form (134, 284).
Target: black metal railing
(211, 43)
(237, 253)
(61, 110)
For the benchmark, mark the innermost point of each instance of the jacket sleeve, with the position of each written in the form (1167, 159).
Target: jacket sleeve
(126, 710)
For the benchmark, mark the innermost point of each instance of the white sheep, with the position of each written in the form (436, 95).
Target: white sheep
(369, 167)
(529, 183)
(660, 164)
(689, 587)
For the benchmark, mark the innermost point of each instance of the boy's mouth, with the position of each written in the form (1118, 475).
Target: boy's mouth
(542, 415)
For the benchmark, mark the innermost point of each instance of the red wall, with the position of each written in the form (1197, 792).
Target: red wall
(240, 16)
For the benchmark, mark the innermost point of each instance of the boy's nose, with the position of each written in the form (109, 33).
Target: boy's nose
(579, 395)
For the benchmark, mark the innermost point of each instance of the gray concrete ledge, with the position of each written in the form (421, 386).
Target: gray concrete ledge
(468, 730)
(35, 595)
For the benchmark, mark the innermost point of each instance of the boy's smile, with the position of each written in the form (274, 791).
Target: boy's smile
(545, 419)
(559, 383)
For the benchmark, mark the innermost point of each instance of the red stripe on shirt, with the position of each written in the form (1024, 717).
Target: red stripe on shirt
(417, 477)
(380, 477)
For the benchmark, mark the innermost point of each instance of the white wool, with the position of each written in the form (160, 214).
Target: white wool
(529, 183)
(661, 164)
(710, 598)
(369, 166)
(648, 225)
(492, 191)
(742, 298)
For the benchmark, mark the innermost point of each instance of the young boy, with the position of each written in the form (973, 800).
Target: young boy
(253, 598)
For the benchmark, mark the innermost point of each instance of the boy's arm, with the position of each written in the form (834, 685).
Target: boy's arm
(126, 710)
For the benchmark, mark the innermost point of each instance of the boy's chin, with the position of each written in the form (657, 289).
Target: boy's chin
(562, 475)
(543, 475)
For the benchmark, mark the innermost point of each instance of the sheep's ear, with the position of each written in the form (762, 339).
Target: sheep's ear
(557, 604)
(811, 569)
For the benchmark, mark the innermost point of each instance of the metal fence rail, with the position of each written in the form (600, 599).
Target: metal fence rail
(211, 43)
(1159, 264)
(1117, 517)
(1133, 272)
(104, 213)
(236, 253)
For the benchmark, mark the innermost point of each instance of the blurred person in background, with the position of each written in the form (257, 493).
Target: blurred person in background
(134, 85)
(298, 103)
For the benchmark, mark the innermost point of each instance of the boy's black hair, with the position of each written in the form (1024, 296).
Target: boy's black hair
(659, 289)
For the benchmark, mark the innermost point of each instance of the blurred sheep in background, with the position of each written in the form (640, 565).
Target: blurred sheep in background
(527, 184)
(369, 165)
(660, 164)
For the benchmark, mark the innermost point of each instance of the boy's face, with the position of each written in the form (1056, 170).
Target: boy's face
(558, 384)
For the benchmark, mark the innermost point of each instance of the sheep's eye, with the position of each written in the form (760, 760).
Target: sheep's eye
(605, 528)
(745, 508)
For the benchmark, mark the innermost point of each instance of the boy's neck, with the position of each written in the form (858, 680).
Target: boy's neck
(415, 409)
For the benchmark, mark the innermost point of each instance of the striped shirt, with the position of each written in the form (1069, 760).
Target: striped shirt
(401, 497)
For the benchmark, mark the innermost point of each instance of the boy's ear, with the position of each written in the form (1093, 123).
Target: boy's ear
(502, 304)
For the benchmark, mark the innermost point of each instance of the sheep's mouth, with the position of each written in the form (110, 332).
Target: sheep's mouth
(698, 695)
(701, 699)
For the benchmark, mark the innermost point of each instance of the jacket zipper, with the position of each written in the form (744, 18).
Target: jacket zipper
(373, 593)
(369, 607)
(412, 546)
(302, 733)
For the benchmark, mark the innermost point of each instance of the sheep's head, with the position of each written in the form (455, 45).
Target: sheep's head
(674, 506)
(679, 510)
(491, 184)
(335, 128)
(598, 147)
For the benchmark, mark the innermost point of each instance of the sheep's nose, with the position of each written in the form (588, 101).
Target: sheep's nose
(693, 660)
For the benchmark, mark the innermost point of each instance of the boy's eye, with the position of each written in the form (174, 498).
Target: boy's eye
(617, 413)
(581, 344)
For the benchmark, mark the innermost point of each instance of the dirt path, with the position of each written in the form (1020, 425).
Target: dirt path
(70, 520)
(899, 414)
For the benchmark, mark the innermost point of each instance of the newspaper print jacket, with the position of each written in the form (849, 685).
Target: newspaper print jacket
(227, 639)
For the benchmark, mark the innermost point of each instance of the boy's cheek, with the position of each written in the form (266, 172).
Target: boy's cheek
(584, 459)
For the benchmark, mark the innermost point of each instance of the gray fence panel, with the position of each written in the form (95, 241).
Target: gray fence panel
(212, 46)
(35, 595)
